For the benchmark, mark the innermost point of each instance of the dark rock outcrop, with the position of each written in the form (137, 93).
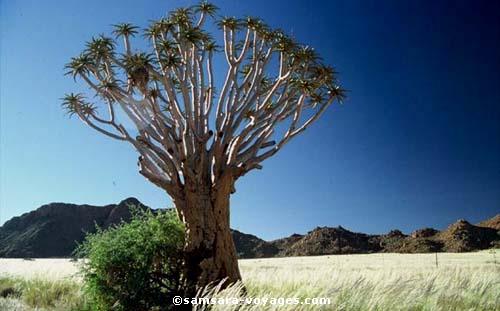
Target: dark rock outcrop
(325, 240)
(493, 223)
(424, 233)
(458, 237)
(465, 237)
(395, 233)
(250, 246)
(53, 230)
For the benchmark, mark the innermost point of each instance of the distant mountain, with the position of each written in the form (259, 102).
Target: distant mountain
(250, 246)
(53, 230)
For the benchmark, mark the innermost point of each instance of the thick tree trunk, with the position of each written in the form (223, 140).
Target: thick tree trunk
(209, 250)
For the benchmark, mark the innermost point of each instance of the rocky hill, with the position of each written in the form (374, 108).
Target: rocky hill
(493, 223)
(250, 246)
(54, 230)
(325, 240)
(465, 237)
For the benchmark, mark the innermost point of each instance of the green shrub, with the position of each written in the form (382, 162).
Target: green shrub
(136, 265)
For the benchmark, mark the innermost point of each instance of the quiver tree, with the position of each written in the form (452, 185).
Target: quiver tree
(196, 140)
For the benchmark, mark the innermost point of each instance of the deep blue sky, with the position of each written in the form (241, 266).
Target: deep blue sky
(416, 144)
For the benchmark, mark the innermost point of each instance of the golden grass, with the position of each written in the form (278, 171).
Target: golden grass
(466, 281)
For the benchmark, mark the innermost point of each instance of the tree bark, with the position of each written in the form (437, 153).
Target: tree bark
(210, 254)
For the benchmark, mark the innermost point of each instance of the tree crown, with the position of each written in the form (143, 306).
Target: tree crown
(185, 129)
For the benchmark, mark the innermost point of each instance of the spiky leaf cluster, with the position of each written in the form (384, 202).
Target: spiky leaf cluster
(168, 92)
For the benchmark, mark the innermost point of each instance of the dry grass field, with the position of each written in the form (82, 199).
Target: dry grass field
(465, 281)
